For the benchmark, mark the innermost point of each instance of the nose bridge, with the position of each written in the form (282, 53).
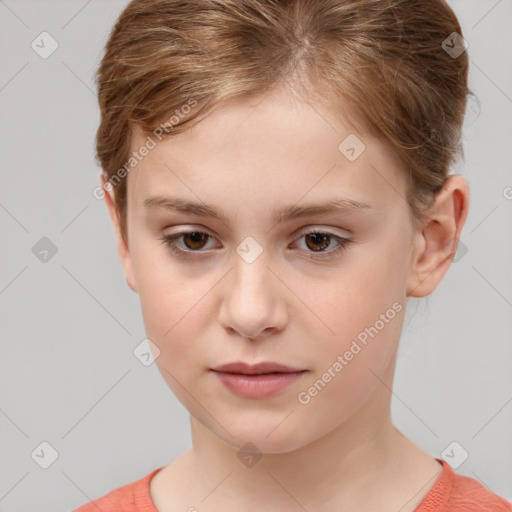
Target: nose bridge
(250, 301)
(251, 277)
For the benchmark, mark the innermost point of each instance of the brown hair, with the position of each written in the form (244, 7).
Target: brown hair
(384, 58)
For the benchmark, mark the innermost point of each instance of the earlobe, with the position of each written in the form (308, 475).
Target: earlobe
(436, 245)
(129, 275)
(122, 247)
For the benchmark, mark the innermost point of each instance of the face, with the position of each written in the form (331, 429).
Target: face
(254, 287)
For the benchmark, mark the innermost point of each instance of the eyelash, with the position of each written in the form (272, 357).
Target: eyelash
(171, 242)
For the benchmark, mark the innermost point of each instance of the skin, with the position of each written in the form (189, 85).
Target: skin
(248, 157)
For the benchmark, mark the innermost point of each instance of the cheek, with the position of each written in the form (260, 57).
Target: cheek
(361, 307)
(173, 315)
(355, 298)
(367, 326)
(178, 305)
(167, 290)
(170, 300)
(174, 320)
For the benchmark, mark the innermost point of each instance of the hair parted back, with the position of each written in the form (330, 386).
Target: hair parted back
(383, 58)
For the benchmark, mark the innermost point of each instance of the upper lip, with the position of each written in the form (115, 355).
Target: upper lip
(254, 369)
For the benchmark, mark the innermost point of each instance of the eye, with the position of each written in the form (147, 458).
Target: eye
(194, 240)
(317, 241)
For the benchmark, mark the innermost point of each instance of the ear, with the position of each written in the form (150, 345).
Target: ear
(122, 245)
(436, 245)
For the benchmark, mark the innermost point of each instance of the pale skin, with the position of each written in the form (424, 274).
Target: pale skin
(248, 158)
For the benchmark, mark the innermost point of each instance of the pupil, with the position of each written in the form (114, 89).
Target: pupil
(196, 237)
(317, 239)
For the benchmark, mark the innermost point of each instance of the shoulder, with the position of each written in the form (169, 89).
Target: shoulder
(469, 494)
(458, 493)
(134, 494)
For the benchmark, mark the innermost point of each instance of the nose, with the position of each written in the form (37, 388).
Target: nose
(253, 300)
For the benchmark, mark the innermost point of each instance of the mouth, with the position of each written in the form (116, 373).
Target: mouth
(258, 381)
(263, 368)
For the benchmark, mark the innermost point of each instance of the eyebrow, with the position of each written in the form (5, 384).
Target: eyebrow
(341, 206)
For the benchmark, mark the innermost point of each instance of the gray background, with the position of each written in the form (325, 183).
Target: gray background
(68, 375)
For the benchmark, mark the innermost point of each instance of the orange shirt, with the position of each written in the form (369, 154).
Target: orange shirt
(450, 493)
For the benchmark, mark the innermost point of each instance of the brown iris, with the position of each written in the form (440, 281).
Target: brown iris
(196, 238)
(318, 238)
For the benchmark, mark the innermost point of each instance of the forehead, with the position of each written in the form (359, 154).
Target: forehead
(267, 149)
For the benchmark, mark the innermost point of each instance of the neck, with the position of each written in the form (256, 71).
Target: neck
(352, 465)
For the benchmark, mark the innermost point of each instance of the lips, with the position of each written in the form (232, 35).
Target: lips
(256, 369)
(257, 381)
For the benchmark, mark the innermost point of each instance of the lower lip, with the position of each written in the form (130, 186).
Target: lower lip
(258, 386)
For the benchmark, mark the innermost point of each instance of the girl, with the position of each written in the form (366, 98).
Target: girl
(277, 174)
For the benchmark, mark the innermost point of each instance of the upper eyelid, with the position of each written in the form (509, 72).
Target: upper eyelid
(309, 227)
(304, 230)
(299, 233)
(343, 242)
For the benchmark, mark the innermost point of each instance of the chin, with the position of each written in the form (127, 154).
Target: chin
(265, 440)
